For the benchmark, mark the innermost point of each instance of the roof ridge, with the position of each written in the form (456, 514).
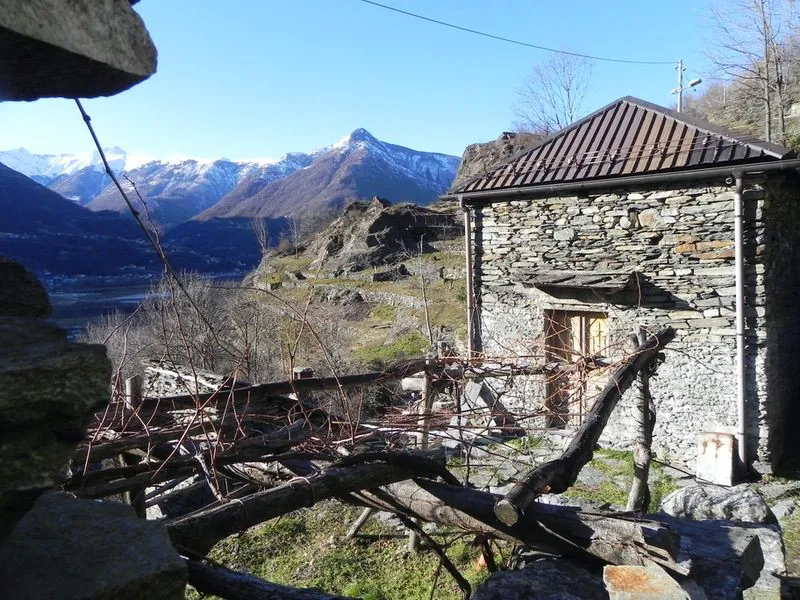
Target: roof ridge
(624, 142)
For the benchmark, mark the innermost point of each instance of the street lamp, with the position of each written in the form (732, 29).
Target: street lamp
(682, 88)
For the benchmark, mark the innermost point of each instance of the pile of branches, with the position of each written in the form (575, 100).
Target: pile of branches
(264, 452)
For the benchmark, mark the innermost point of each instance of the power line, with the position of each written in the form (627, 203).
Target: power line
(517, 42)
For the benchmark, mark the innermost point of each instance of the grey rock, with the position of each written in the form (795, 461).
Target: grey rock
(566, 234)
(629, 582)
(66, 548)
(545, 579)
(49, 388)
(79, 49)
(702, 502)
(340, 296)
(21, 294)
(730, 558)
(784, 508)
(395, 274)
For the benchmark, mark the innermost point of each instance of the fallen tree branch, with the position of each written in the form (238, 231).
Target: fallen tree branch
(558, 475)
(200, 530)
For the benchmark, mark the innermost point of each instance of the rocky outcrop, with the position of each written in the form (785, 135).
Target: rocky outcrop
(478, 159)
(72, 49)
(377, 233)
(49, 388)
(69, 549)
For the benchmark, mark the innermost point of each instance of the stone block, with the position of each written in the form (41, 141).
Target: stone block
(79, 49)
(627, 582)
(81, 549)
(544, 579)
(704, 502)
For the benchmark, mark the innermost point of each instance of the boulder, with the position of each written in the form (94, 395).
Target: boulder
(21, 294)
(340, 296)
(395, 274)
(78, 49)
(66, 548)
(731, 559)
(703, 502)
(544, 579)
(49, 389)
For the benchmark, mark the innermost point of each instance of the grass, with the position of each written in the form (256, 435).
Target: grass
(525, 444)
(408, 345)
(618, 465)
(306, 549)
(384, 313)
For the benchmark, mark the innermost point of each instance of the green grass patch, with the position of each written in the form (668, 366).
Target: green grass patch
(617, 466)
(306, 549)
(385, 313)
(408, 345)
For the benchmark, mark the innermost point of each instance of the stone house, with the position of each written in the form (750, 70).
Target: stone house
(640, 216)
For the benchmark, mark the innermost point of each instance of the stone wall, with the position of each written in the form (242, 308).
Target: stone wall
(680, 244)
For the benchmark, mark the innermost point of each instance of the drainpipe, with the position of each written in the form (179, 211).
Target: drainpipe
(469, 284)
(741, 375)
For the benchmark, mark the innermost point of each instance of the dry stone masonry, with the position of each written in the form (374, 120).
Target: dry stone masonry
(677, 245)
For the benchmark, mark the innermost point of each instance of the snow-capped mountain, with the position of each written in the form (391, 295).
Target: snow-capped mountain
(358, 166)
(178, 189)
(43, 168)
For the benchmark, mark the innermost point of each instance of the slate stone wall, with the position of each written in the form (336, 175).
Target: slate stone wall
(680, 243)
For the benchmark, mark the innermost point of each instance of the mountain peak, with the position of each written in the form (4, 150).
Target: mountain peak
(356, 136)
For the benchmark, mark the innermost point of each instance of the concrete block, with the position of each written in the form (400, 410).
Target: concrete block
(716, 454)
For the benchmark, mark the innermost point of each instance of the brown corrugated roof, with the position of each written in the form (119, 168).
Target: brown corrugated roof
(627, 137)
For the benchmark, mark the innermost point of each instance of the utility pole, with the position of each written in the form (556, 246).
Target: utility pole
(680, 84)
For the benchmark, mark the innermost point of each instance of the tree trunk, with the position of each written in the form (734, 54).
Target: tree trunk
(639, 496)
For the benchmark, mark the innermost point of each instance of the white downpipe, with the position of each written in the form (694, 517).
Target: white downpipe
(470, 287)
(741, 374)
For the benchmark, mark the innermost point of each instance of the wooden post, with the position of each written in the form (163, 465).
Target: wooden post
(359, 523)
(133, 400)
(639, 496)
(425, 406)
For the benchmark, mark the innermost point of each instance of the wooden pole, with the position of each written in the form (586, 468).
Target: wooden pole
(133, 400)
(425, 407)
(639, 496)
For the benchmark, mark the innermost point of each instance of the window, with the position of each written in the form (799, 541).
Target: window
(571, 337)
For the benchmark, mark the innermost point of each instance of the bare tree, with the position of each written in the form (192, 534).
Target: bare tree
(751, 48)
(259, 227)
(552, 95)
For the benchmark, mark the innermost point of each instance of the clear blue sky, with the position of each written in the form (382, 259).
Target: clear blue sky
(259, 78)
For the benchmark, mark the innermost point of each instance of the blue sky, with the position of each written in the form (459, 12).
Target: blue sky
(259, 78)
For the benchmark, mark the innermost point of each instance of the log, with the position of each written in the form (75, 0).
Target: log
(234, 585)
(592, 537)
(202, 529)
(261, 392)
(558, 475)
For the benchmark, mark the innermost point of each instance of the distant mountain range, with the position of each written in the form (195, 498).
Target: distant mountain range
(358, 166)
(204, 207)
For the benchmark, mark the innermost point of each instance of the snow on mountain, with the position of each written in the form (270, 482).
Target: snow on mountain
(45, 167)
(357, 166)
(179, 187)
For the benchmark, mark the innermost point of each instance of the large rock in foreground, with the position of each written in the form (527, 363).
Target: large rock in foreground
(704, 502)
(49, 389)
(66, 548)
(545, 579)
(72, 49)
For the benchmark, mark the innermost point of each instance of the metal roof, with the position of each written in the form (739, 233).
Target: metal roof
(627, 137)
